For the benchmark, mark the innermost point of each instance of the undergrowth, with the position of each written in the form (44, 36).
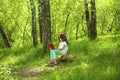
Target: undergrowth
(96, 60)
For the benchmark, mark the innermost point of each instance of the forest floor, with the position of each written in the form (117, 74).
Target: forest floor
(32, 73)
(99, 59)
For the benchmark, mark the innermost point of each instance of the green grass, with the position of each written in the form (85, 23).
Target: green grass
(97, 60)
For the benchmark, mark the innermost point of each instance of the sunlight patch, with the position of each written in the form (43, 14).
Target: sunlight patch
(84, 65)
(10, 60)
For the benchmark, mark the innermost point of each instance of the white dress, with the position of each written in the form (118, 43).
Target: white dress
(61, 45)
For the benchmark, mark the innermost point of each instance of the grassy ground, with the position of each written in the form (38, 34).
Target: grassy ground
(97, 60)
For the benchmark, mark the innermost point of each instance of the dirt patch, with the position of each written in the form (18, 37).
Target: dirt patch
(31, 73)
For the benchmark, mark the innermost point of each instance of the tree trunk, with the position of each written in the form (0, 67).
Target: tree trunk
(93, 31)
(77, 27)
(66, 22)
(87, 17)
(83, 28)
(4, 36)
(91, 22)
(34, 31)
(40, 17)
(44, 22)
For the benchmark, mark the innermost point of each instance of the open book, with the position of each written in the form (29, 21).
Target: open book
(51, 45)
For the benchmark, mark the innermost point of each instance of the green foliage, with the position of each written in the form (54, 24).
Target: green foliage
(15, 19)
(2, 45)
(59, 11)
(18, 57)
(5, 73)
(107, 16)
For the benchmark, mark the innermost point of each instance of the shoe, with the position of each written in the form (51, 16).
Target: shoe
(53, 62)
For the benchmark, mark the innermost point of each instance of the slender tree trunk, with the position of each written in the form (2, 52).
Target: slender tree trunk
(87, 17)
(103, 25)
(66, 22)
(77, 27)
(53, 25)
(4, 36)
(40, 17)
(93, 31)
(44, 22)
(34, 31)
(83, 28)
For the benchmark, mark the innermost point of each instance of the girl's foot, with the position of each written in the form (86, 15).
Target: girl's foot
(53, 62)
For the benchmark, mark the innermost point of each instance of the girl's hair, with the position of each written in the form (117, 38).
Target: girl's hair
(63, 37)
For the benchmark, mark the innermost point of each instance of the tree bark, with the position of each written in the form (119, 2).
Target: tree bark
(91, 21)
(34, 31)
(4, 36)
(87, 17)
(40, 17)
(93, 31)
(44, 22)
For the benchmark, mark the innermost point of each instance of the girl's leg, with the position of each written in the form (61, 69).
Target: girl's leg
(53, 54)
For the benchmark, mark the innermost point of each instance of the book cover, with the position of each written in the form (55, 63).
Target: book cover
(51, 45)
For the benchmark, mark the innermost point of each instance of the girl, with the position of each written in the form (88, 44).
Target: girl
(62, 49)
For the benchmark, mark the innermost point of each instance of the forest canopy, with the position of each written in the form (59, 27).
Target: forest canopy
(66, 16)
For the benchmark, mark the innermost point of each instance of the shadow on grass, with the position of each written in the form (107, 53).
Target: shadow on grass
(107, 64)
(4, 53)
(28, 57)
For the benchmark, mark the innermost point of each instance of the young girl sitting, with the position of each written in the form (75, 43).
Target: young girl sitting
(62, 49)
